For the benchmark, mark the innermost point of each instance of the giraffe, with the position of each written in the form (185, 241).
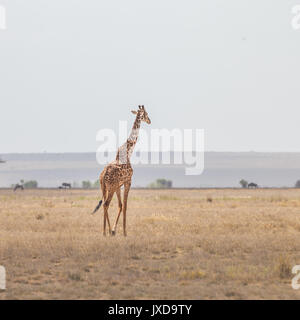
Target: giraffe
(119, 173)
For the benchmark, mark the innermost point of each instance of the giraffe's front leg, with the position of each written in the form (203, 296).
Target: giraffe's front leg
(109, 228)
(126, 191)
(118, 192)
(104, 224)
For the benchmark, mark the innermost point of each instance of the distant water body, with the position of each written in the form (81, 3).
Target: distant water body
(222, 169)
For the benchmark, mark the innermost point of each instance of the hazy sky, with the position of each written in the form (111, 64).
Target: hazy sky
(71, 67)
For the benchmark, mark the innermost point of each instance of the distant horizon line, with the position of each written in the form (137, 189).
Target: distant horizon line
(91, 152)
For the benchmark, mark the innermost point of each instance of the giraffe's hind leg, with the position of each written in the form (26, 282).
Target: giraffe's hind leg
(118, 192)
(105, 207)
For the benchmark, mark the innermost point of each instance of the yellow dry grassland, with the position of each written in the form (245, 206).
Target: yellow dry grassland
(181, 244)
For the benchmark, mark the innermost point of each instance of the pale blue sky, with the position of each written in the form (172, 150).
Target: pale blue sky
(69, 68)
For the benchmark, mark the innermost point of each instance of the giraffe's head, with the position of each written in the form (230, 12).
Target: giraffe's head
(142, 114)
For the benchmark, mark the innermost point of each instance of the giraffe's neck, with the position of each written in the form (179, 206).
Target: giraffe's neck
(125, 151)
(135, 130)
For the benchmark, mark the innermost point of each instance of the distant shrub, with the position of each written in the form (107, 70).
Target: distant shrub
(39, 217)
(160, 184)
(244, 183)
(76, 276)
(86, 184)
(96, 184)
(32, 184)
(297, 184)
(75, 185)
(284, 267)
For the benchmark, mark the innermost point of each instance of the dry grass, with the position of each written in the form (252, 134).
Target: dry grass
(181, 244)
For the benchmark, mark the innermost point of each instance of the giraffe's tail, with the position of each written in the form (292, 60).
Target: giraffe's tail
(98, 207)
(103, 188)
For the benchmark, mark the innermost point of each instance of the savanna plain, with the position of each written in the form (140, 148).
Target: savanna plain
(181, 244)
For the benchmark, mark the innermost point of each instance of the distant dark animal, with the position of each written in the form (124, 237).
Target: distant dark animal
(18, 186)
(60, 187)
(67, 185)
(252, 185)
